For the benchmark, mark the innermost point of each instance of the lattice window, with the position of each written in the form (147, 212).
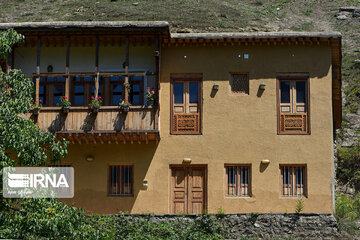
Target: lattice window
(238, 181)
(239, 83)
(293, 181)
(120, 180)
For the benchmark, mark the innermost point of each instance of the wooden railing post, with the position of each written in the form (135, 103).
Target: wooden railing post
(67, 70)
(97, 67)
(37, 85)
(126, 84)
(157, 79)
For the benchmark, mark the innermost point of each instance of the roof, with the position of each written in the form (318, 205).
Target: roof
(79, 26)
(88, 24)
(255, 35)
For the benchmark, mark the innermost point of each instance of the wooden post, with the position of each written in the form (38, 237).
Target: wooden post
(67, 70)
(97, 67)
(126, 68)
(157, 79)
(37, 85)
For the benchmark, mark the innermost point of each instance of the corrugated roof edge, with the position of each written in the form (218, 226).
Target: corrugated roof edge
(84, 24)
(255, 35)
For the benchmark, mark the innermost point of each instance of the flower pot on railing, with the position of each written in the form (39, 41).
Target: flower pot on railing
(36, 110)
(150, 102)
(95, 109)
(125, 108)
(95, 104)
(65, 110)
(124, 105)
(64, 104)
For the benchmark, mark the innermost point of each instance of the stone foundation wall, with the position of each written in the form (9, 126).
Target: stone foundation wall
(267, 226)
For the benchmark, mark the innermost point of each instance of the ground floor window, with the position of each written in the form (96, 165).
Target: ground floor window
(238, 181)
(293, 180)
(120, 180)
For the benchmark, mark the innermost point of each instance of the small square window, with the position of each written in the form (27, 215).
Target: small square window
(239, 83)
(238, 181)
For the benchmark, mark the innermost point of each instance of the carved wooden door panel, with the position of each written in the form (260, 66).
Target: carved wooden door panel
(196, 190)
(188, 190)
(179, 190)
(186, 106)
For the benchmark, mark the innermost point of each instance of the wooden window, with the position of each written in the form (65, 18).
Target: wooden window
(83, 88)
(116, 89)
(136, 94)
(293, 105)
(238, 181)
(293, 179)
(186, 106)
(120, 180)
(239, 83)
(51, 89)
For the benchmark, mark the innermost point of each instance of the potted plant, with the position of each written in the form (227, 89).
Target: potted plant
(36, 107)
(65, 104)
(125, 105)
(150, 95)
(95, 104)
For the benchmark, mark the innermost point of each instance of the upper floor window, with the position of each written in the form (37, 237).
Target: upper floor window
(51, 89)
(120, 180)
(293, 180)
(238, 181)
(83, 88)
(239, 83)
(293, 105)
(186, 106)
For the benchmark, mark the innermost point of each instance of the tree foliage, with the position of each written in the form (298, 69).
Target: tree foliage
(348, 170)
(23, 143)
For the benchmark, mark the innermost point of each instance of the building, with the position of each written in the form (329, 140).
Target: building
(242, 122)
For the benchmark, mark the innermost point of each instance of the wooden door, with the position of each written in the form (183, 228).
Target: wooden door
(188, 190)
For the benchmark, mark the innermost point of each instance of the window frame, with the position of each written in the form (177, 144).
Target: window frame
(293, 178)
(293, 77)
(238, 183)
(88, 85)
(49, 88)
(238, 93)
(122, 182)
(189, 77)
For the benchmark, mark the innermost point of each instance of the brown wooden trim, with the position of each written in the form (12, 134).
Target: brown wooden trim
(186, 168)
(38, 56)
(186, 77)
(293, 77)
(293, 179)
(120, 168)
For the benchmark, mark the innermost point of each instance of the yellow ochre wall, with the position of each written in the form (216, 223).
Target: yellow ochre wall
(235, 130)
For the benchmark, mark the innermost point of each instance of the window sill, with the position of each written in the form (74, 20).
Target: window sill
(120, 195)
(101, 108)
(292, 197)
(238, 197)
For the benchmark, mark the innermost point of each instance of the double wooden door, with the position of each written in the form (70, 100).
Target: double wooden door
(188, 189)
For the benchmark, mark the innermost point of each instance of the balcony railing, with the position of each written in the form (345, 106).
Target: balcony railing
(294, 123)
(110, 124)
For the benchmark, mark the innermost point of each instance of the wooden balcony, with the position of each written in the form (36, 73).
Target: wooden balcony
(294, 123)
(109, 125)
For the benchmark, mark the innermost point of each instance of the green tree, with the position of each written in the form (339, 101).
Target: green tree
(23, 143)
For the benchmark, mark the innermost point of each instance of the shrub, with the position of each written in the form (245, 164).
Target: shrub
(347, 212)
(48, 219)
